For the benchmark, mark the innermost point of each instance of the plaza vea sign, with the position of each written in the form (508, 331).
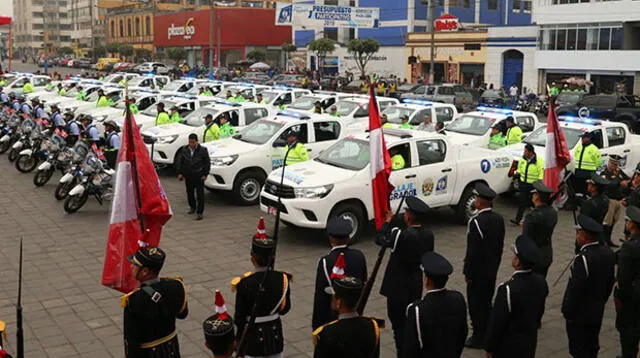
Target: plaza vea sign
(320, 16)
(186, 31)
(446, 22)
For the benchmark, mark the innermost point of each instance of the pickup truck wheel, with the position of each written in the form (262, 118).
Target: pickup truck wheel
(355, 215)
(247, 186)
(467, 206)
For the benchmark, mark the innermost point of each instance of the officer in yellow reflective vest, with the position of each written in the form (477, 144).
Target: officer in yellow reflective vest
(588, 159)
(514, 132)
(397, 160)
(530, 170)
(297, 150)
(211, 130)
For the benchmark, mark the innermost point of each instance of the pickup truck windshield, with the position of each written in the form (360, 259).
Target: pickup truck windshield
(196, 118)
(395, 113)
(539, 136)
(173, 86)
(269, 96)
(152, 111)
(304, 103)
(474, 125)
(345, 108)
(349, 153)
(260, 131)
(569, 97)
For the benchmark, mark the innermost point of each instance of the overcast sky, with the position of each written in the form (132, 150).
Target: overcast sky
(6, 7)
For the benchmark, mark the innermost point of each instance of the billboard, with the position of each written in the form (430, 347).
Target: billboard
(310, 15)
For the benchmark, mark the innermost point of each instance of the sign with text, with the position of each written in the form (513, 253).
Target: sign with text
(320, 16)
(446, 22)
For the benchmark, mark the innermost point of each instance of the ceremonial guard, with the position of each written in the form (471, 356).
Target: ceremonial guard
(588, 159)
(351, 335)
(402, 282)
(355, 265)
(150, 311)
(265, 337)
(219, 332)
(627, 292)
(618, 183)
(518, 306)
(436, 324)
(590, 284)
(597, 206)
(485, 240)
(539, 225)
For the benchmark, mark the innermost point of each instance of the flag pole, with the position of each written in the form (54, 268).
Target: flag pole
(19, 329)
(134, 166)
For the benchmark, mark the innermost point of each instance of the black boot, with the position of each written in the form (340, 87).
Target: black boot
(608, 230)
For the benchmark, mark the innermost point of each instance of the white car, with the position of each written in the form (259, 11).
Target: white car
(245, 90)
(355, 108)
(610, 137)
(307, 102)
(89, 88)
(282, 96)
(474, 128)
(146, 81)
(241, 164)
(338, 181)
(112, 92)
(417, 109)
(178, 86)
(119, 76)
(39, 83)
(143, 100)
(149, 67)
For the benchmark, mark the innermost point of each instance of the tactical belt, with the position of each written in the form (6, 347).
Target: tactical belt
(265, 319)
(158, 342)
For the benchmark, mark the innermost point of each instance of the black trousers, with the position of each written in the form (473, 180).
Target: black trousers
(112, 158)
(524, 200)
(195, 193)
(583, 339)
(397, 312)
(629, 341)
(479, 294)
(170, 349)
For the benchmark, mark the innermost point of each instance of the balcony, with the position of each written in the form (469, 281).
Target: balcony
(109, 4)
(131, 40)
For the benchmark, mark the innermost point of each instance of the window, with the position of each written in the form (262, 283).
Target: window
(582, 39)
(492, 4)
(472, 47)
(233, 116)
(419, 117)
(517, 4)
(421, 90)
(466, 3)
(129, 32)
(525, 123)
(597, 138)
(571, 39)
(605, 36)
(444, 114)
(331, 34)
(527, 6)
(147, 26)
(253, 114)
(616, 136)
(405, 151)
(446, 91)
(431, 90)
(589, 37)
(453, 3)
(561, 39)
(137, 26)
(431, 151)
(616, 38)
(113, 28)
(326, 131)
(121, 28)
(302, 133)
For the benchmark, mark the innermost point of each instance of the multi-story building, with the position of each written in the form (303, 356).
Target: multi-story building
(594, 40)
(87, 20)
(41, 26)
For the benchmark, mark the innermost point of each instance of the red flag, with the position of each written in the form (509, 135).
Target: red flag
(139, 210)
(556, 150)
(380, 162)
(338, 268)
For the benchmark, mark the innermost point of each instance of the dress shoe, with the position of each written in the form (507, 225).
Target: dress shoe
(199, 217)
(473, 343)
(191, 212)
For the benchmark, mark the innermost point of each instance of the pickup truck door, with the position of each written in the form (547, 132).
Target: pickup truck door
(617, 142)
(322, 135)
(436, 175)
(405, 180)
(278, 145)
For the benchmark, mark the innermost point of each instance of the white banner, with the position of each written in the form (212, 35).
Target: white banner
(320, 16)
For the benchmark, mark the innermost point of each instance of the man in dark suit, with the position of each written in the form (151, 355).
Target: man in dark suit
(193, 166)
(485, 240)
(338, 229)
(402, 282)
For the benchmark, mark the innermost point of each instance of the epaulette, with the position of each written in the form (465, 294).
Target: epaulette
(318, 330)
(379, 321)
(236, 281)
(289, 276)
(124, 300)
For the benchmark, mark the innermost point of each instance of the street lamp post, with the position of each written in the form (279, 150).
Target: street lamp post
(211, 13)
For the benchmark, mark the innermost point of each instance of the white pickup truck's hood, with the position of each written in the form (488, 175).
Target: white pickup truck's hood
(103, 111)
(229, 146)
(461, 138)
(169, 129)
(310, 174)
(73, 103)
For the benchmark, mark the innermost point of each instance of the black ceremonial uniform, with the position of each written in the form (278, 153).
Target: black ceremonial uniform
(350, 336)
(614, 190)
(539, 225)
(150, 314)
(627, 295)
(265, 337)
(485, 241)
(516, 315)
(355, 266)
(596, 207)
(633, 197)
(590, 284)
(442, 328)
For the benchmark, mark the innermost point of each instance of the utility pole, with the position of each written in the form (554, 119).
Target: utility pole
(211, 17)
(219, 55)
(432, 10)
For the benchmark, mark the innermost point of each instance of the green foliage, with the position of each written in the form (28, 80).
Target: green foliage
(126, 50)
(256, 56)
(143, 53)
(322, 47)
(176, 54)
(113, 48)
(66, 51)
(289, 47)
(100, 51)
(362, 51)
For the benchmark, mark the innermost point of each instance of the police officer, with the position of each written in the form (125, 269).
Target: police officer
(239, 97)
(259, 100)
(226, 129)
(497, 140)
(350, 336)
(38, 109)
(597, 205)
(111, 143)
(397, 160)
(132, 106)
(175, 115)
(338, 230)
(211, 129)
(295, 151)
(103, 101)
(384, 121)
(163, 116)
(150, 311)
(626, 294)
(514, 132)
(80, 95)
(590, 284)
(265, 337)
(436, 324)
(618, 184)
(25, 108)
(405, 123)
(219, 333)
(485, 240)
(73, 129)
(518, 306)
(588, 159)
(317, 107)
(554, 91)
(61, 90)
(402, 284)
(530, 170)
(27, 87)
(90, 133)
(56, 118)
(539, 225)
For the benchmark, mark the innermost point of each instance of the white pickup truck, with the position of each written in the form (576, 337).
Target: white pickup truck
(610, 137)
(241, 164)
(417, 109)
(338, 181)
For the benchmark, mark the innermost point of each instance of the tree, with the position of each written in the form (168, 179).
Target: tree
(66, 51)
(321, 47)
(143, 53)
(256, 56)
(99, 51)
(288, 48)
(362, 51)
(176, 54)
(126, 50)
(113, 48)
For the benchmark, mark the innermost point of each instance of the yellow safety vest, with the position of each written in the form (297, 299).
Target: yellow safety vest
(297, 154)
(514, 135)
(530, 172)
(587, 158)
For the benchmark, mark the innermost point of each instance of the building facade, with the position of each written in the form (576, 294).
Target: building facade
(594, 40)
(87, 21)
(511, 57)
(41, 26)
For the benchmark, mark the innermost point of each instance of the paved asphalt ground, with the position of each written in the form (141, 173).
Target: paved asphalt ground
(67, 313)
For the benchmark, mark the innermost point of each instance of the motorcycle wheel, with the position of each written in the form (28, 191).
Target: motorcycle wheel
(73, 203)
(26, 163)
(42, 177)
(13, 155)
(4, 146)
(63, 189)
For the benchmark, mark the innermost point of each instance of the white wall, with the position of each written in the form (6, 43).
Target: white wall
(390, 60)
(589, 60)
(601, 11)
(493, 65)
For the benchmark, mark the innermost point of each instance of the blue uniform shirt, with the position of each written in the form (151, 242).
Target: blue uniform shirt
(114, 141)
(58, 121)
(3, 97)
(92, 133)
(40, 113)
(25, 108)
(16, 105)
(74, 128)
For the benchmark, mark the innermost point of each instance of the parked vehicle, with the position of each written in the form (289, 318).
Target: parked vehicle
(446, 93)
(625, 109)
(493, 98)
(96, 181)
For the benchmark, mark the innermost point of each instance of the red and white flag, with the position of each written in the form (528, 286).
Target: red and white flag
(380, 162)
(138, 212)
(556, 150)
(338, 268)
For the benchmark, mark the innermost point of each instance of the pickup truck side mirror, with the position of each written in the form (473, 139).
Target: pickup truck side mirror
(280, 142)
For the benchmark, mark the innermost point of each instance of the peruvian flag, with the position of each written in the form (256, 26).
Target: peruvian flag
(338, 268)
(139, 210)
(556, 149)
(380, 162)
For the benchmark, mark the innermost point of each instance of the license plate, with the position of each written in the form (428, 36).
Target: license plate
(271, 210)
